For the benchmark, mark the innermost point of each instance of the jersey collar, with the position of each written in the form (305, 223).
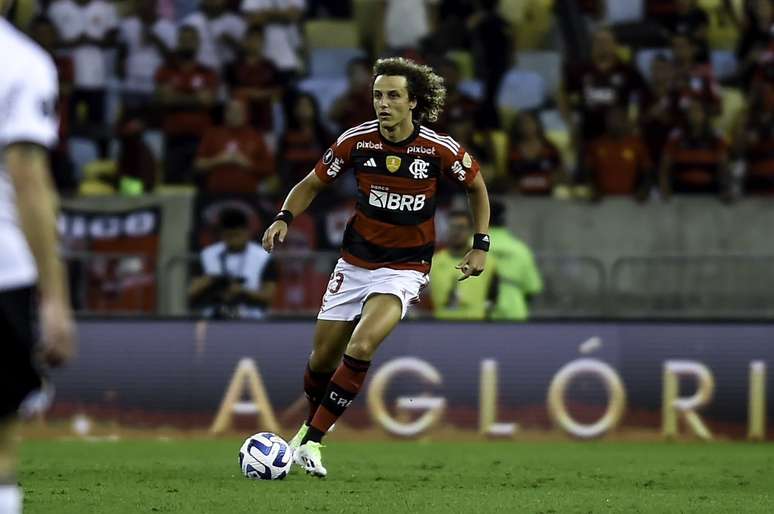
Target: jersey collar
(404, 142)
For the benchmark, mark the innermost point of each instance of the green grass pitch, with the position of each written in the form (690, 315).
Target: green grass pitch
(202, 476)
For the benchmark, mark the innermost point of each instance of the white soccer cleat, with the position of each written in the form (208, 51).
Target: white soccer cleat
(309, 458)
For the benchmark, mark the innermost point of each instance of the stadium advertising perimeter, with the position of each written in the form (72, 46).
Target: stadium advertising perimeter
(588, 380)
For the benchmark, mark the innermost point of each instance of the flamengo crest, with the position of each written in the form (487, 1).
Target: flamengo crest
(418, 168)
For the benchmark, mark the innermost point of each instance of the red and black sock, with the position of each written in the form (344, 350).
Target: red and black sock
(315, 384)
(342, 389)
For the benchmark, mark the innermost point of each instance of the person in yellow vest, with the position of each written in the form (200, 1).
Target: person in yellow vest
(453, 296)
(518, 278)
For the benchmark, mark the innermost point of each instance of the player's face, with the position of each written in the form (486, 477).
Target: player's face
(391, 100)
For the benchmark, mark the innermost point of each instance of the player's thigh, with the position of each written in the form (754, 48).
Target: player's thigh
(381, 314)
(330, 340)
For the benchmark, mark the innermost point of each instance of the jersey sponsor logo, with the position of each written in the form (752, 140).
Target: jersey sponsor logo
(458, 171)
(335, 167)
(396, 201)
(328, 157)
(427, 150)
(370, 163)
(418, 168)
(393, 163)
(368, 145)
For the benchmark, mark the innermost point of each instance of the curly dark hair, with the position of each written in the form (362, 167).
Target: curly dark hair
(423, 85)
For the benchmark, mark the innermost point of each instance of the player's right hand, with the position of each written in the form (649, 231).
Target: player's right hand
(278, 229)
(57, 332)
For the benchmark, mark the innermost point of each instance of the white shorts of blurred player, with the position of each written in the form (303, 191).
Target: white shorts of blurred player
(350, 286)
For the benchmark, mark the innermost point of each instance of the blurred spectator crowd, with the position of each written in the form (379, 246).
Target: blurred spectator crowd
(570, 98)
(559, 98)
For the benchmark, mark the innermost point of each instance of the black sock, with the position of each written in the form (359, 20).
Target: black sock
(313, 434)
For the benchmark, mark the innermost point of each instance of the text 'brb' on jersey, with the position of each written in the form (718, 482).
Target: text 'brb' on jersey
(393, 223)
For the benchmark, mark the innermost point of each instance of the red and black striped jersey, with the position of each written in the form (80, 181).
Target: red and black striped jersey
(393, 225)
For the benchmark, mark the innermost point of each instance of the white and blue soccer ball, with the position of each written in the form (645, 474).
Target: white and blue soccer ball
(265, 456)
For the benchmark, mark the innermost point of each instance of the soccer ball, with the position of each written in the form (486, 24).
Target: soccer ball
(265, 456)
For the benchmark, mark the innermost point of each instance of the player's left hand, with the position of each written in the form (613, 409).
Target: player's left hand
(472, 264)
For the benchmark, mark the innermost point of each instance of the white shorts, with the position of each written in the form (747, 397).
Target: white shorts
(350, 286)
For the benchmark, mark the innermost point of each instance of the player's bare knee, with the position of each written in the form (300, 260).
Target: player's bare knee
(363, 346)
(324, 360)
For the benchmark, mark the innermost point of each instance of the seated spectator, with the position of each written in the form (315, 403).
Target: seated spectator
(146, 42)
(233, 158)
(493, 49)
(695, 158)
(763, 71)
(591, 89)
(405, 23)
(280, 20)
(662, 106)
(618, 162)
(137, 167)
(534, 164)
(42, 30)
(253, 78)
(517, 277)
(661, 11)
(690, 20)
(452, 298)
(756, 35)
(87, 30)
(355, 106)
(219, 33)
(693, 79)
(186, 93)
(451, 31)
(304, 140)
(754, 142)
(459, 106)
(238, 276)
(460, 119)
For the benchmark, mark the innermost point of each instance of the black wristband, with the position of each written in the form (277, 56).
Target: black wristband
(481, 242)
(284, 215)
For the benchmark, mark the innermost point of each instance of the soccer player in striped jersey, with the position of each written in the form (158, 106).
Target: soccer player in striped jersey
(388, 243)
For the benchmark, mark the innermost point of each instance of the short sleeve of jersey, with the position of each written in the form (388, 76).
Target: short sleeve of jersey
(461, 167)
(334, 162)
(28, 105)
